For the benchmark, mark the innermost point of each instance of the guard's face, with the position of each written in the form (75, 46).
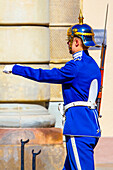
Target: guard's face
(69, 39)
(75, 45)
(69, 43)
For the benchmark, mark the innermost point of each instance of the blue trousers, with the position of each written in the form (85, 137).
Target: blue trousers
(80, 154)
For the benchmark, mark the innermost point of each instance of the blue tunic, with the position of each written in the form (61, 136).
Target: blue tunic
(75, 77)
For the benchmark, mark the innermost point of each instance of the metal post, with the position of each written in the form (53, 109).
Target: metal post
(22, 153)
(34, 159)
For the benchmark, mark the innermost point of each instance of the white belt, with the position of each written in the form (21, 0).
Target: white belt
(80, 103)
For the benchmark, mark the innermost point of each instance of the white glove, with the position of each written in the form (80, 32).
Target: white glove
(8, 69)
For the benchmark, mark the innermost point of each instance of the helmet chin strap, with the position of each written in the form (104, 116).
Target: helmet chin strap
(70, 41)
(70, 45)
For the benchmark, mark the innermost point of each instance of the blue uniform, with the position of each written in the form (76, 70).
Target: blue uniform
(76, 77)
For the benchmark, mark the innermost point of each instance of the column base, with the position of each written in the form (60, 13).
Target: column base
(48, 140)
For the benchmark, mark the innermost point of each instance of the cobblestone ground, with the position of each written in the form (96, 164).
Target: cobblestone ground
(104, 167)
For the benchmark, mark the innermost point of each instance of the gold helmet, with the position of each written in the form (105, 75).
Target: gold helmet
(83, 31)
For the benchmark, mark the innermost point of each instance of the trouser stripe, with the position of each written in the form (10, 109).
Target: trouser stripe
(75, 153)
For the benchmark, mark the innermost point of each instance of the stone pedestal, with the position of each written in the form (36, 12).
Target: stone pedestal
(48, 140)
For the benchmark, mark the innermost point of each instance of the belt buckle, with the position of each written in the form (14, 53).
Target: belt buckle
(92, 106)
(74, 104)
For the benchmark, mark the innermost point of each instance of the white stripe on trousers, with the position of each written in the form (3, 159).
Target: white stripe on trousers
(75, 153)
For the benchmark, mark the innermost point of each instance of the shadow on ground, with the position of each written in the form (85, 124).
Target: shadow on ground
(104, 167)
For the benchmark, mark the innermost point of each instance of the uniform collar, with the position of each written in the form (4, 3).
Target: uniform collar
(77, 55)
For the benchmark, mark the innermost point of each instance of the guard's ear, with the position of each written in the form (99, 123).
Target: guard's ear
(77, 42)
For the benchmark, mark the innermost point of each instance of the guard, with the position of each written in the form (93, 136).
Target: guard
(81, 80)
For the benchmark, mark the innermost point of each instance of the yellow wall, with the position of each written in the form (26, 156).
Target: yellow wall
(94, 15)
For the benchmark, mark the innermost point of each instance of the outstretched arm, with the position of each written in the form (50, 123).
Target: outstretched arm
(57, 76)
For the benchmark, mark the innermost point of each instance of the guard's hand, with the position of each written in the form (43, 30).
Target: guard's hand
(8, 69)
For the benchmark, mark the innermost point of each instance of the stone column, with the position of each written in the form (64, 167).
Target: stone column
(63, 14)
(24, 39)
